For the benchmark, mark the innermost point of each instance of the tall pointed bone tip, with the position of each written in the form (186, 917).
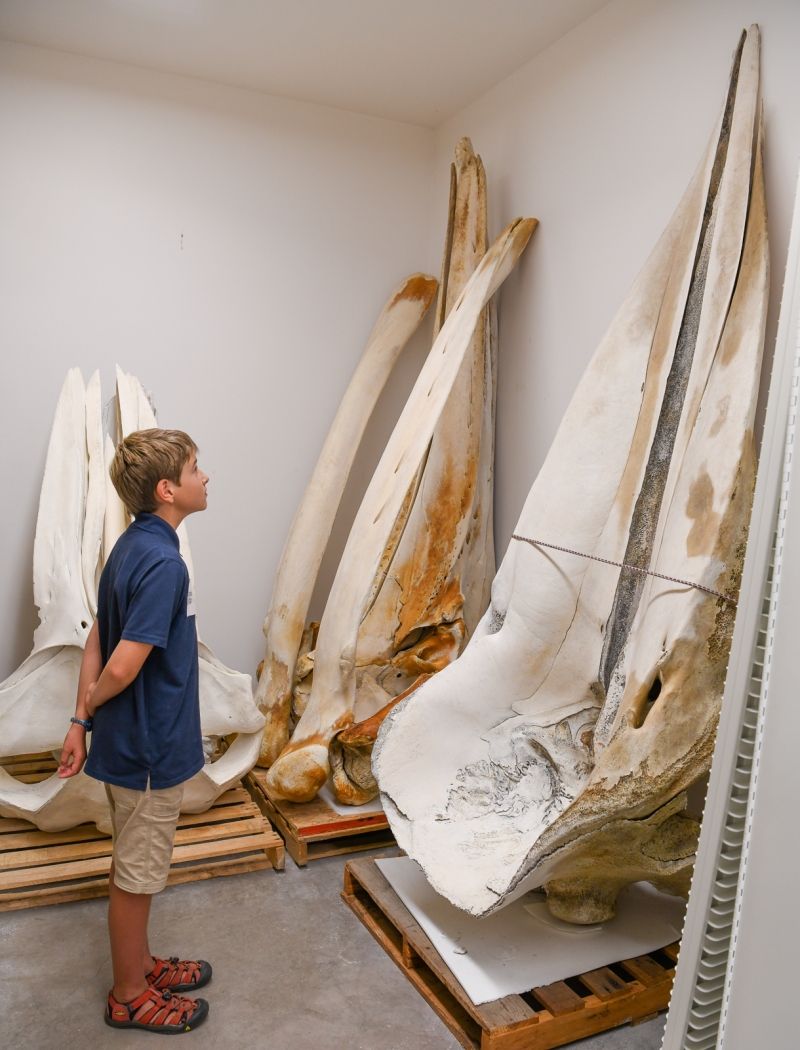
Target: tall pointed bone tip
(510, 245)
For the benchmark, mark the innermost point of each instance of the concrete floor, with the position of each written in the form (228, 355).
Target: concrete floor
(293, 970)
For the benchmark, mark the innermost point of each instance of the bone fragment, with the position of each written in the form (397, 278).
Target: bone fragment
(303, 766)
(116, 517)
(305, 546)
(37, 701)
(556, 751)
(351, 753)
(94, 513)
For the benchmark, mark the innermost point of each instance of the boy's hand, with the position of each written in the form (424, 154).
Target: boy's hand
(73, 754)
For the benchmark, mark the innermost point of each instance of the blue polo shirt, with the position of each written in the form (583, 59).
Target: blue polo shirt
(152, 728)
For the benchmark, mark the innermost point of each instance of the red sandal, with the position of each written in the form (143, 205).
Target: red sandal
(156, 1011)
(179, 975)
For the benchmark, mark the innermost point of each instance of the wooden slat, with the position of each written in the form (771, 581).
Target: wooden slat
(54, 855)
(77, 869)
(645, 970)
(559, 999)
(26, 839)
(13, 824)
(604, 983)
(671, 951)
(21, 834)
(224, 847)
(42, 756)
(215, 816)
(35, 766)
(335, 847)
(435, 992)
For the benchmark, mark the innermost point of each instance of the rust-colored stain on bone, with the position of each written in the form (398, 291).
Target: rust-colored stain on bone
(366, 732)
(419, 288)
(426, 574)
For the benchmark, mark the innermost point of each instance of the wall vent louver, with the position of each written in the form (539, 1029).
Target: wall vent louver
(706, 1023)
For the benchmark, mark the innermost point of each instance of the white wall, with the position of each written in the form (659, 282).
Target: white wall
(598, 137)
(230, 249)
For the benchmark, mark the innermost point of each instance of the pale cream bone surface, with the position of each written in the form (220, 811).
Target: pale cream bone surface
(80, 518)
(303, 767)
(557, 750)
(436, 573)
(304, 549)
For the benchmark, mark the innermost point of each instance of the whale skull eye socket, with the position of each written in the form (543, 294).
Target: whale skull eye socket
(653, 694)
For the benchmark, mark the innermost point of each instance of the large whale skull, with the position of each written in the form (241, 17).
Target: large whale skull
(80, 518)
(557, 750)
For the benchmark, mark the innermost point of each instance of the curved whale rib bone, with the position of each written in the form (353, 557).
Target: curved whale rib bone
(305, 546)
(622, 565)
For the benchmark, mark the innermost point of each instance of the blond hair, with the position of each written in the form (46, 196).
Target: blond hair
(142, 459)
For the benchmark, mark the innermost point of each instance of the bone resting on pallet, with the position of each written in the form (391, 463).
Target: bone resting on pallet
(80, 519)
(557, 751)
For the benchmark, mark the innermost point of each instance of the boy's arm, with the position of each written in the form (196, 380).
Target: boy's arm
(96, 685)
(123, 666)
(91, 669)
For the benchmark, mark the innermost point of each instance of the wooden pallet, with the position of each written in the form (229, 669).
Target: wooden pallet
(313, 829)
(43, 867)
(629, 992)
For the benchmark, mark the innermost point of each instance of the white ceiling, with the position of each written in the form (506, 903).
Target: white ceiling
(418, 61)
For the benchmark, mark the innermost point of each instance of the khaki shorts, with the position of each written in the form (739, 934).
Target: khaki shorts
(143, 828)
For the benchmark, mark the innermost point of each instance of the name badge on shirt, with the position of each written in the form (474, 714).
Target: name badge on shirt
(191, 608)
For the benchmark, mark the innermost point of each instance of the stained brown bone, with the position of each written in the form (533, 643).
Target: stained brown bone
(351, 753)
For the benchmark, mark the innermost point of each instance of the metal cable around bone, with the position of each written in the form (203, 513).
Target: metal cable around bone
(633, 568)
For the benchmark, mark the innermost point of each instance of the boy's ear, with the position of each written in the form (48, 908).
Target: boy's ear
(165, 491)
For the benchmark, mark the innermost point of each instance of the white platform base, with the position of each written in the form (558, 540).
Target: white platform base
(327, 795)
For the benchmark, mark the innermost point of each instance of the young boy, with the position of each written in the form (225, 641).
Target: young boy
(138, 695)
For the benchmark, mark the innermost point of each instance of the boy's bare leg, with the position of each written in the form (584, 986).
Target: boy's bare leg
(149, 961)
(128, 914)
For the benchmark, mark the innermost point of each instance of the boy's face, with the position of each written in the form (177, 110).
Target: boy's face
(175, 502)
(191, 494)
